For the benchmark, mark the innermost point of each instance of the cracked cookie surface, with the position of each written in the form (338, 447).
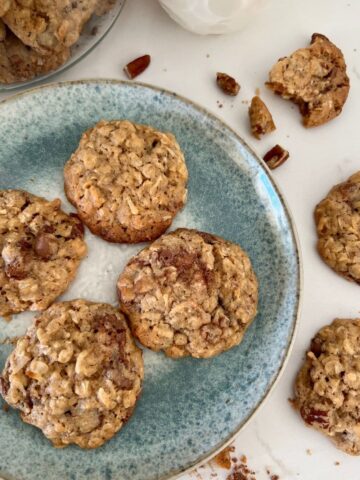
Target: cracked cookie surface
(315, 79)
(47, 25)
(328, 385)
(189, 293)
(76, 374)
(127, 181)
(19, 62)
(337, 219)
(40, 250)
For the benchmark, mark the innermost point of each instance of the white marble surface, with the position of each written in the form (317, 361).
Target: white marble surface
(186, 64)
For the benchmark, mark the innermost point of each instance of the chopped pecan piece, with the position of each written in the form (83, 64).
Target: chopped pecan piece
(261, 120)
(227, 84)
(137, 66)
(276, 157)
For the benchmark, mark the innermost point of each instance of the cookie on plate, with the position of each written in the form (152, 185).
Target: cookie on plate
(76, 374)
(40, 250)
(48, 26)
(127, 181)
(328, 385)
(315, 79)
(337, 220)
(189, 293)
(19, 62)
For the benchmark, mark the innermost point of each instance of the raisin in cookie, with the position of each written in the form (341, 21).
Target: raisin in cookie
(314, 78)
(328, 385)
(40, 250)
(127, 181)
(47, 25)
(337, 220)
(189, 293)
(19, 62)
(76, 374)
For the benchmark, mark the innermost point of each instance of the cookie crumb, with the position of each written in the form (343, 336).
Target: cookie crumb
(223, 459)
(337, 463)
(243, 459)
(261, 121)
(308, 451)
(94, 31)
(257, 91)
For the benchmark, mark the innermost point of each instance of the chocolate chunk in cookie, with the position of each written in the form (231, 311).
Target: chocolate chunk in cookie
(127, 181)
(328, 385)
(189, 293)
(315, 79)
(39, 253)
(337, 219)
(76, 374)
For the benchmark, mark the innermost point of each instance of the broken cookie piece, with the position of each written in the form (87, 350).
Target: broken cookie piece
(261, 120)
(315, 79)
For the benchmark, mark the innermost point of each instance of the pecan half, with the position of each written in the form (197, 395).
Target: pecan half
(137, 66)
(227, 84)
(276, 157)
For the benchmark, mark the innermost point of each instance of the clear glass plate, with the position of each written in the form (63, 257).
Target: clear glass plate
(95, 30)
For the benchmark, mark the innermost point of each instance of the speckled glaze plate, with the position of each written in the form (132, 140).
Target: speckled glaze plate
(189, 408)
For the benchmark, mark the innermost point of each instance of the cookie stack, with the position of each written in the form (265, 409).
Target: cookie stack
(36, 36)
(77, 372)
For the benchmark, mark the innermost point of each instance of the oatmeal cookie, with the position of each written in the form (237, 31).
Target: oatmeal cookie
(127, 181)
(48, 25)
(189, 293)
(19, 62)
(76, 374)
(328, 385)
(41, 248)
(337, 220)
(315, 79)
(261, 121)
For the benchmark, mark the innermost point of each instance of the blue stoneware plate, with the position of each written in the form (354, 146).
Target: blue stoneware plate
(189, 408)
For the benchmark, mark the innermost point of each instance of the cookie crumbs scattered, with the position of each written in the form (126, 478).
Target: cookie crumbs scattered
(234, 459)
(308, 451)
(243, 459)
(245, 102)
(94, 31)
(337, 463)
(221, 105)
(213, 474)
(274, 477)
(257, 91)
(241, 472)
(5, 407)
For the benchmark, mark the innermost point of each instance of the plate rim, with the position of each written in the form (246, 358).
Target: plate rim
(172, 475)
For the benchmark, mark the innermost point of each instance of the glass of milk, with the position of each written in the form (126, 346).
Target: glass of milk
(213, 16)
